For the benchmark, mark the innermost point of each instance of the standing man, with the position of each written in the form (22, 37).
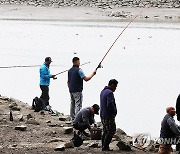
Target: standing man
(178, 107)
(108, 112)
(45, 81)
(169, 131)
(75, 84)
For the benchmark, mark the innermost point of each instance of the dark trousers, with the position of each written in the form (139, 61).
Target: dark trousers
(109, 129)
(81, 126)
(45, 94)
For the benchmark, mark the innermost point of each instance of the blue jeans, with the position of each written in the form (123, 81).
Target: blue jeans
(76, 103)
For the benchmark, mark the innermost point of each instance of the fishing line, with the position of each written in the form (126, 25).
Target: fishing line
(19, 66)
(99, 65)
(68, 69)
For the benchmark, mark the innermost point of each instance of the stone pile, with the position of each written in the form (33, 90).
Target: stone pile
(104, 4)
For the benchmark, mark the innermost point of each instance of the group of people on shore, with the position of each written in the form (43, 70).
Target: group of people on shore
(82, 119)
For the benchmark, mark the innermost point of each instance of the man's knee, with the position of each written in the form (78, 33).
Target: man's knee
(80, 126)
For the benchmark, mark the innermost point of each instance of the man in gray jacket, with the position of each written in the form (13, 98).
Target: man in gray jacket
(85, 118)
(169, 133)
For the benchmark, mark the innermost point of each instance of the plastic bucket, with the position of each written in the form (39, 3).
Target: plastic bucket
(96, 133)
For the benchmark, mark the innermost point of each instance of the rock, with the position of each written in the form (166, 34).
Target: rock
(69, 145)
(60, 148)
(32, 121)
(14, 107)
(4, 98)
(63, 118)
(4, 120)
(68, 122)
(68, 130)
(14, 100)
(14, 145)
(56, 140)
(29, 116)
(20, 117)
(21, 128)
(48, 121)
(93, 145)
(123, 146)
(119, 134)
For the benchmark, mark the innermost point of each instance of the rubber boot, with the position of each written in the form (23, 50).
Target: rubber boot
(106, 143)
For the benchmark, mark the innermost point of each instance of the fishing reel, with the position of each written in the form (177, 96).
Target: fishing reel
(99, 66)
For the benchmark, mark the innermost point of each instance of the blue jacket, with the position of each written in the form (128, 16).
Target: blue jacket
(44, 75)
(74, 80)
(107, 104)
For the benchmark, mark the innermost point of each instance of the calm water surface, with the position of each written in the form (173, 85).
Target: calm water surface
(145, 61)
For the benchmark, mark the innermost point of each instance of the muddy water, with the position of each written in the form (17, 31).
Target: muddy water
(145, 61)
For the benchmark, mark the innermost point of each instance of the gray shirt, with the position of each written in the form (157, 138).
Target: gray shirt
(174, 127)
(85, 116)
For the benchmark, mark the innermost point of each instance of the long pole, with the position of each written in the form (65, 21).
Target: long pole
(99, 65)
(20, 66)
(68, 69)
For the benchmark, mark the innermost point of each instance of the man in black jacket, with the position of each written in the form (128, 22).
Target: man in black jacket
(178, 108)
(108, 113)
(76, 77)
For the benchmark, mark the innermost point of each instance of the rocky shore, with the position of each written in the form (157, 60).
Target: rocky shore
(29, 132)
(98, 3)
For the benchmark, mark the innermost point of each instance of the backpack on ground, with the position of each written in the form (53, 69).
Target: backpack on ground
(77, 140)
(37, 104)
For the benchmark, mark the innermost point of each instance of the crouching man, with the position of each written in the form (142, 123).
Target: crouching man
(85, 118)
(169, 131)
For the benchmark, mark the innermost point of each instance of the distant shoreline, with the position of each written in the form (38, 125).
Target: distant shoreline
(88, 14)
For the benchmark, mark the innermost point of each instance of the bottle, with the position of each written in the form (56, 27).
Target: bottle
(11, 116)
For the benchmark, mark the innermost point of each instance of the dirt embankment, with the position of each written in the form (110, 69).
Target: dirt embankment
(43, 132)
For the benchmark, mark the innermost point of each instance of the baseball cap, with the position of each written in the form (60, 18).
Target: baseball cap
(96, 108)
(48, 59)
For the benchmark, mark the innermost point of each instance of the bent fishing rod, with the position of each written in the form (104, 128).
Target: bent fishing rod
(99, 65)
(68, 69)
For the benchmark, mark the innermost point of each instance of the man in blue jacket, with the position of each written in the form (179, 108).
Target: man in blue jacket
(108, 113)
(45, 81)
(75, 84)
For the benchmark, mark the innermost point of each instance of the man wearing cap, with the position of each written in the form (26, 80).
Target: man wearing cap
(85, 118)
(170, 131)
(45, 80)
(75, 85)
(108, 113)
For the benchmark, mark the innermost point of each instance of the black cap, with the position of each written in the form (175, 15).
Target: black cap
(96, 109)
(48, 59)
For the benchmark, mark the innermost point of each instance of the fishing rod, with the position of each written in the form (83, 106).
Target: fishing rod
(99, 65)
(17, 66)
(68, 69)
